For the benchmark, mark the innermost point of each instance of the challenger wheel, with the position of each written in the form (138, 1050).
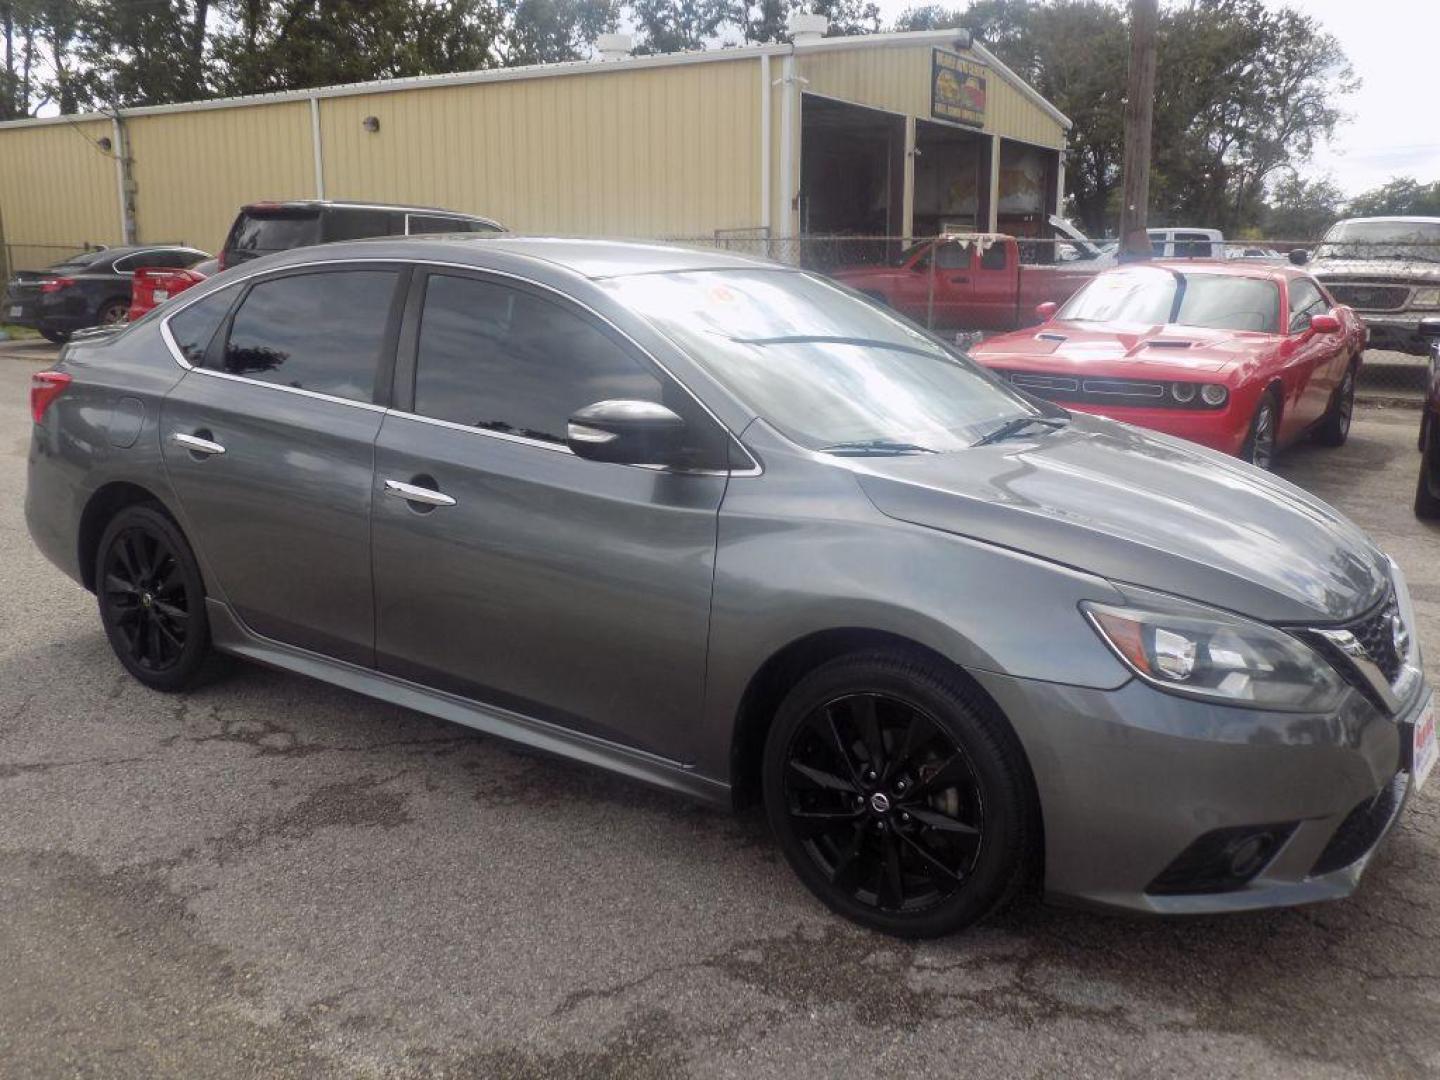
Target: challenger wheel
(152, 600)
(1259, 448)
(1334, 429)
(898, 796)
(1427, 502)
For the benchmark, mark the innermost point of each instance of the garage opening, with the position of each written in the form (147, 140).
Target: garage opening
(1027, 186)
(852, 178)
(952, 179)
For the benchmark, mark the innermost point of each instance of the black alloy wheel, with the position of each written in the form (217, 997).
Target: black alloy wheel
(1427, 490)
(1334, 428)
(1259, 449)
(152, 600)
(114, 312)
(902, 820)
(55, 337)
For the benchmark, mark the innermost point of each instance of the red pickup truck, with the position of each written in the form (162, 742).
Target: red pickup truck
(969, 282)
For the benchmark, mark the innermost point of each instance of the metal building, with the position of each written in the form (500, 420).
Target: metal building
(888, 134)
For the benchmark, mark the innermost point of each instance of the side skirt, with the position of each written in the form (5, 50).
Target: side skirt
(230, 635)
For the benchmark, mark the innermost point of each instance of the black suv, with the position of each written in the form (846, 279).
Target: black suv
(266, 227)
(89, 289)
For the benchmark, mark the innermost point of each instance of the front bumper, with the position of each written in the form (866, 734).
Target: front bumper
(1129, 779)
(1224, 429)
(1399, 332)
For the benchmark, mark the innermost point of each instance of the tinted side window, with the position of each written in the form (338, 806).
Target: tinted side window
(993, 257)
(195, 326)
(1192, 245)
(320, 332)
(954, 256)
(506, 360)
(257, 234)
(430, 223)
(357, 224)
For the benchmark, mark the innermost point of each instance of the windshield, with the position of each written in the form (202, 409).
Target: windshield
(1151, 295)
(1382, 240)
(819, 363)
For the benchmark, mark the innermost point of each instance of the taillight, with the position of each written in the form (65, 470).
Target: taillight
(55, 284)
(45, 387)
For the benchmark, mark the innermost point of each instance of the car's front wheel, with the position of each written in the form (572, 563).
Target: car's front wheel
(1259, 448)
(114, 312)
(898, 795)
(152, 600)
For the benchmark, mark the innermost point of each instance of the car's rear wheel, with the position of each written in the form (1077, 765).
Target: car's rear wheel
(114, 312)
(1334, 429)
(898, 796)
(1259, 448)
(55, 337)
(152, 600)
(1427, 503)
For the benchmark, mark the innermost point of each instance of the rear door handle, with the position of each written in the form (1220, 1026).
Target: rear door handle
(416, 494)
(195, 444)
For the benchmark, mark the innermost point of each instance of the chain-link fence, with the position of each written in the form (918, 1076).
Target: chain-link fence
(971, 285)
(15, 257)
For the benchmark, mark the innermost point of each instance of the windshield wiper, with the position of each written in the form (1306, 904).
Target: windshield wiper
(862, 447)
(1019, 424)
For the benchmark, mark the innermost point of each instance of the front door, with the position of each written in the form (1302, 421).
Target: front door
(507, 569)
(269, 446)
(1309, 382)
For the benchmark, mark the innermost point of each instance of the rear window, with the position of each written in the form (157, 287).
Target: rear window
(257, 234)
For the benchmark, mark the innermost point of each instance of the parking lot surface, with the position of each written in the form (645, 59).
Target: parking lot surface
(271, 877)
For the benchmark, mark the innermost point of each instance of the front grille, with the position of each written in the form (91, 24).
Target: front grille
(1056, 387)
(1362, 828)
(1376, 634)
(1369, 297)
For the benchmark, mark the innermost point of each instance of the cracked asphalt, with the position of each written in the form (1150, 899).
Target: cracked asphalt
(274, 878)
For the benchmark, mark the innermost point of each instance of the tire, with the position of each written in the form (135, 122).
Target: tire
(1334, 427)
(152, 600)
(113, 312)
(1260, 443)
(56, 337)
(1427, 503)
(943, 831)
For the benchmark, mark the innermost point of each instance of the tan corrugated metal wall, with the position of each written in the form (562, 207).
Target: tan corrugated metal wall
(666, 150)
(648, 152)
(57, 187)
(897, 78)
(192, 169)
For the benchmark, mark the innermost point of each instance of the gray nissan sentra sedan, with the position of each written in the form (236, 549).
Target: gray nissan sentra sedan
(725, 527)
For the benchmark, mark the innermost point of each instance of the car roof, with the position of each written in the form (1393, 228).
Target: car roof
(1416, 219)
(594, 259)
(346, 204)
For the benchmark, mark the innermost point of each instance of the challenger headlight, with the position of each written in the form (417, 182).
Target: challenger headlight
(1203, 653)
(1425, 298)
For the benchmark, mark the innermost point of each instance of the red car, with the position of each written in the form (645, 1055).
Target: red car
(1245, 359)
(153, 285)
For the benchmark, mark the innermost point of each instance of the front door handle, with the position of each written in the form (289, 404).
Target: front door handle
(414, 493)
(960, 280)
(196, 445)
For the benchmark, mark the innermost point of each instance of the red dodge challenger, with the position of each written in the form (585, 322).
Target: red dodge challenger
(1245, 359)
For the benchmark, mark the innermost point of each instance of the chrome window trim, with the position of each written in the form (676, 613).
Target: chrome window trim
(755, 468)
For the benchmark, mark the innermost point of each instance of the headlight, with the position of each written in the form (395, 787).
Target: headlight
(1213, 394)
(1425, 298)
(1183, 392)
(1203, 653)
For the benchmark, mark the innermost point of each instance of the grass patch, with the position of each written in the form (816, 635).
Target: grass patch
(18, 333)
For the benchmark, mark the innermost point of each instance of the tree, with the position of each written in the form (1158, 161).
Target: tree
(552, 31)
(1402, 195)
(678, 25)
(1300, 209)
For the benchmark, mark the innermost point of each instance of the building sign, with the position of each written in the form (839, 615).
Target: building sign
(957, 89)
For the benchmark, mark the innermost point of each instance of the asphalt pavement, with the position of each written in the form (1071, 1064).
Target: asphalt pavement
(274, 878)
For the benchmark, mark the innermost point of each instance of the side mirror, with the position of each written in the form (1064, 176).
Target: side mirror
(625, 433)
(1299, 256)
(1325, 324)
(1047, 310)
(1429, 327)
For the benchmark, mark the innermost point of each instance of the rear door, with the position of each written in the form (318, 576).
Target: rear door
(568, 590)
(269, 446)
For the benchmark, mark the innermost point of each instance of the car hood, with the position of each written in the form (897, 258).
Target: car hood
(1145, 509)
(1372, 269)
(1084, 347)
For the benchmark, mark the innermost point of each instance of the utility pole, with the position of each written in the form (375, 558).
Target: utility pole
(1139, 120)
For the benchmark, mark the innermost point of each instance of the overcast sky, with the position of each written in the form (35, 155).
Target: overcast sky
(1394, 46)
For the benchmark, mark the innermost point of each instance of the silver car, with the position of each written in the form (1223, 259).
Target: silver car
(724, 527)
